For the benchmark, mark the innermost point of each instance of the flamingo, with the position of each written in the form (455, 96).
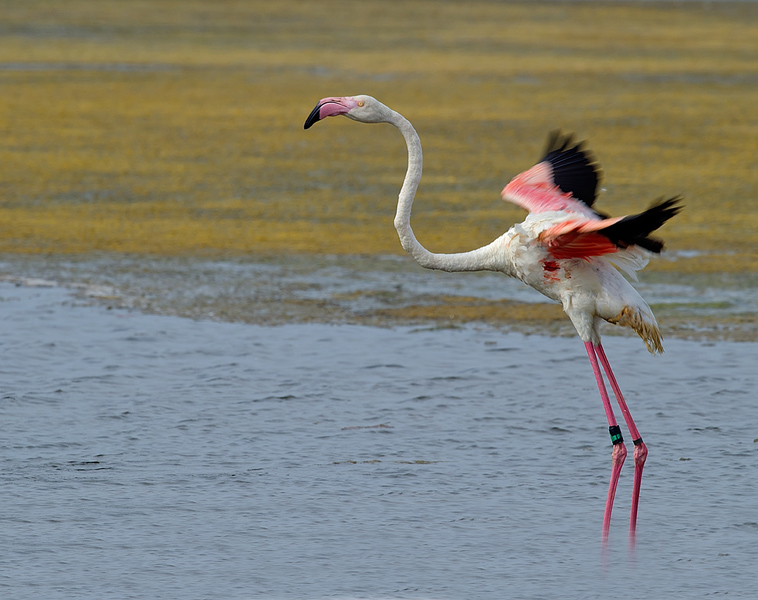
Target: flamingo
(564, 249)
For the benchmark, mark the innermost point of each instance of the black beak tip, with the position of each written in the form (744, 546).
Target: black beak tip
(313, 118)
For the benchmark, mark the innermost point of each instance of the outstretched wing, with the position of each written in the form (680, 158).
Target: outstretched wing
(581, 238)
(565, 179)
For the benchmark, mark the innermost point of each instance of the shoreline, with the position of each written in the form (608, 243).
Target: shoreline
(374, 291)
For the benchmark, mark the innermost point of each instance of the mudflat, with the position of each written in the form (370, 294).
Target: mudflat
(175, 129)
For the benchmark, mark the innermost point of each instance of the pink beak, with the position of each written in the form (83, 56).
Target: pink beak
(328, 107)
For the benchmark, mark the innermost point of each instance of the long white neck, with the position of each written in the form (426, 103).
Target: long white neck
(486, 258)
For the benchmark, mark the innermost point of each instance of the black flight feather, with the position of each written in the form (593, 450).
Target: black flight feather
(635, 229)
(575, 171)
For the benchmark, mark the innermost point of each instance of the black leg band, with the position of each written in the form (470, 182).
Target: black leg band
(616, 437)
(637, 442)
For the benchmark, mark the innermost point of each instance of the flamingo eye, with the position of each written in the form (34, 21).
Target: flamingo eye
(361, 102)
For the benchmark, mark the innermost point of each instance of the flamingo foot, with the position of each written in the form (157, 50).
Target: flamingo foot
(617, 459)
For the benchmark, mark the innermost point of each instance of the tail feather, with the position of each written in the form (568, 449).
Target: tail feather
(629, 261)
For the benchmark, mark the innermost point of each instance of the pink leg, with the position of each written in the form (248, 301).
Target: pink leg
(619, 450)
(640, 450)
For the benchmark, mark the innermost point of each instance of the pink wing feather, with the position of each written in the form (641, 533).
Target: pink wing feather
(565, 181)
(535, 191)
(578, 238)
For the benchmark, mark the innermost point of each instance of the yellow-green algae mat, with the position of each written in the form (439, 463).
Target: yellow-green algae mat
(174, 128)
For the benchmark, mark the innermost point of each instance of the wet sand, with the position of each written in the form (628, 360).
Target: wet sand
(382, 291)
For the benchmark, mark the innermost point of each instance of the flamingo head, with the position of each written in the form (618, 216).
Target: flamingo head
(358, 108)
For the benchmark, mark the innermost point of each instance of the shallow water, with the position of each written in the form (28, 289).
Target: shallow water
(161, 457)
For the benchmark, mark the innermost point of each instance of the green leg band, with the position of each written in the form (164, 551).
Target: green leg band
(616, 437)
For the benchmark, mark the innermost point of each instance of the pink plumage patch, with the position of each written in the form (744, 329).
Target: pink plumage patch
(535, 191)
(580, 245)
(578, 238)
